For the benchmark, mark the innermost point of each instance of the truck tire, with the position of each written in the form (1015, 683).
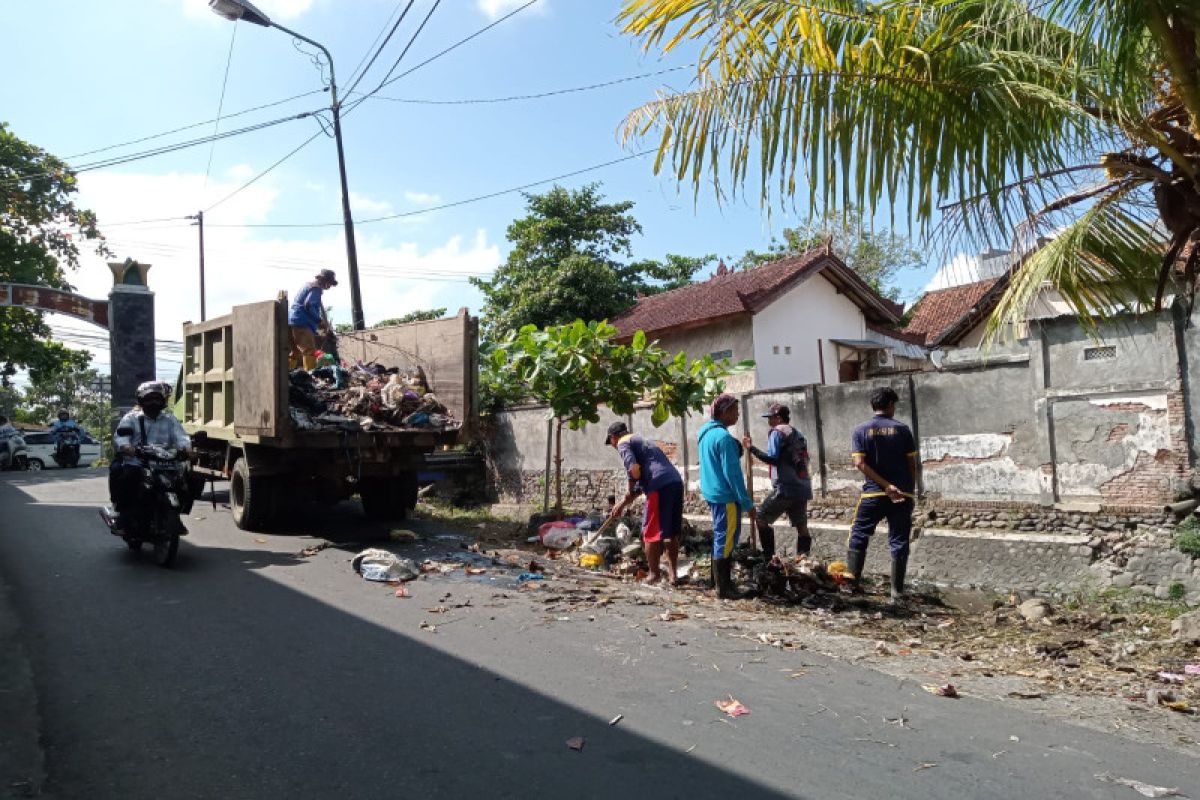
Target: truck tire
(249, 498)
(383, 499)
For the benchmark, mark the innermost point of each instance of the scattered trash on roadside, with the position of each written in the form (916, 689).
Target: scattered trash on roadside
(1026, 695)
(525, 577)
(309, 552)
(380, 565)
(924, 765)
(576, 744)
(731, 707)
(437, 610)
(403, 592)
(1171, 677)
(260, 540)
(475, 570)
(1144, 789)
(425, 626)
(946, 690)
(882, 649)
(1192, 669)
(616, 719)
(672, 616)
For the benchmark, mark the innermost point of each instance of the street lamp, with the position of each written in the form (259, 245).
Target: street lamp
(234, 10)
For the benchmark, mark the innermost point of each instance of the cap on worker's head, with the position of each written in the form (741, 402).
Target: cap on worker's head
(778, 410)
(327, 276)
(721, 404)
(616, 429)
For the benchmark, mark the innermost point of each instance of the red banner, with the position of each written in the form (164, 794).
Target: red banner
(46, 299)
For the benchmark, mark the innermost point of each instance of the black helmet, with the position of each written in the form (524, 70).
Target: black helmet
(63, 414)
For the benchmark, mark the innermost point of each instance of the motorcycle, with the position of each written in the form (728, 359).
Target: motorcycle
(155, 519)
(66, 452)
(14, 454)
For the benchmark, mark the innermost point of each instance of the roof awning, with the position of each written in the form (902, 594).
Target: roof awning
(861, 345)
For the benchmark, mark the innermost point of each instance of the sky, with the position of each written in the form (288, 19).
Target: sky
(104, 73)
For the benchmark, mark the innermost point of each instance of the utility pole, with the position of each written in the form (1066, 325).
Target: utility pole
(199, 217)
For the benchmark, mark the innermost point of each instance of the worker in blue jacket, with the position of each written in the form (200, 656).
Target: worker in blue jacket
(724, 489)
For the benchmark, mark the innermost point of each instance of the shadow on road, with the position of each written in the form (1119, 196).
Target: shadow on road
(219, 680)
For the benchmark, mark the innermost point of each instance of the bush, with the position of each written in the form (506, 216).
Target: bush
(1187, 537)
(1176, 592)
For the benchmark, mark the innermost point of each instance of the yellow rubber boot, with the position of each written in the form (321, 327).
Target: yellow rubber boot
(310, 362)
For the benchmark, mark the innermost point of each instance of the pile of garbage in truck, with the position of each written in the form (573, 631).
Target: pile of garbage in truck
(365, 397)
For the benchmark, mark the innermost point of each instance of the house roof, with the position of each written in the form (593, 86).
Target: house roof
(945, 315)
(736, 293)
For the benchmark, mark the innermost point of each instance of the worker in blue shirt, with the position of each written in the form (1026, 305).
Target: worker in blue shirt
(791, 487)
(885, 452)
(306, 315)
(724, 489)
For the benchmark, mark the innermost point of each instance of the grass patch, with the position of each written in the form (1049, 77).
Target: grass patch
(1116, 600)
(1187, 537)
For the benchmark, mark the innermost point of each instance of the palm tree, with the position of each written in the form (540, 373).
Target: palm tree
(978, 122)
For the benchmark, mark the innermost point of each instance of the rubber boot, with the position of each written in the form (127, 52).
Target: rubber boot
(310, 362)
(803, 545)
(856, 560)
(899, 568)
(293, 362)
(766, 540)
(726, 589)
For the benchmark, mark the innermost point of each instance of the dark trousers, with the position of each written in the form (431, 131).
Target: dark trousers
(124, 485)
(871, 509)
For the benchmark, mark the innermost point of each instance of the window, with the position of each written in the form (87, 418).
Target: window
(1104, 353)
(775, 350)
(37, 438)
(720, 354)
(787, 350)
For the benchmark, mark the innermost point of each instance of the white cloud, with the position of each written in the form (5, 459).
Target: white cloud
(960, 270)
(423, 198)
(498, 8)
(241, 267)
(362, 204)
(240, 172)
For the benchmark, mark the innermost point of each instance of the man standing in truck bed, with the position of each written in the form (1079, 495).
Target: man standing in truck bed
(305, 316)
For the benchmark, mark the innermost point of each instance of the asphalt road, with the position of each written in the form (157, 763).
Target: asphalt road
(249, 672)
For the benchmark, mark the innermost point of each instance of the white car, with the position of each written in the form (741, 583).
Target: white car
(41, 450)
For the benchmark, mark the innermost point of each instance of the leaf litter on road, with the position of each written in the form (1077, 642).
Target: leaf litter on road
(1144, 789)
(732, 707)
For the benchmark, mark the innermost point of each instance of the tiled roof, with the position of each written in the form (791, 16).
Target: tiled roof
(741, 292)
(937, 312)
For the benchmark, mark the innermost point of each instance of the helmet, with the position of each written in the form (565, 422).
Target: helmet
(64, 414)
(153, 387)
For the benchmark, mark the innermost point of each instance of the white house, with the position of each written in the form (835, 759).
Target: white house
(803, 319)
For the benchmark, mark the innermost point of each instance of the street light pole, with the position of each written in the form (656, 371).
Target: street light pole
(240, 9)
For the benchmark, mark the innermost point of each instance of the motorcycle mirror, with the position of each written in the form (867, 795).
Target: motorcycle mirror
(199, 437)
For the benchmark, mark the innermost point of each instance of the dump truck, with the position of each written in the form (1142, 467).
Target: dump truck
(235, 388)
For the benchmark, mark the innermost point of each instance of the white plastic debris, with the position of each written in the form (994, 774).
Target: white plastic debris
(380, 565)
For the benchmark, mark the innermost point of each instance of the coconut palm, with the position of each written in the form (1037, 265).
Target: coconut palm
(981, 122)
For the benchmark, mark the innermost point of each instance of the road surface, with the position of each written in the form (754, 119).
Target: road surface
(250, 672)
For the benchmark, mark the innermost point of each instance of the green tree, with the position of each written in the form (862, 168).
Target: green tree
(40, 228)
(570, 261)
(413, 316)
(876, 255)
(984, 121)
(79, 390)
(577, 368)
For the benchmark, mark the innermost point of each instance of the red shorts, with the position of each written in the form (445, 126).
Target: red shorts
(662, 520)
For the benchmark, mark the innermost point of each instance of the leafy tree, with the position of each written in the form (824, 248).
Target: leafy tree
(876, 255)
(568, 262)
(413, 316)
(577, 368)
(76, 389)
(40, 227)
(984, 121)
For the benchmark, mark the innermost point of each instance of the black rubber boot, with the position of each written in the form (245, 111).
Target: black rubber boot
(726, 590)
(899, 568)
(766, 540)
(803, 545)
(856, 561)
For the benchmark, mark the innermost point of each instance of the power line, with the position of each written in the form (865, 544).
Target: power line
(535, 96)
(193, 125)
(220, 105)
(443, 206)
(264, 173)
(404, 52)
(379, 51)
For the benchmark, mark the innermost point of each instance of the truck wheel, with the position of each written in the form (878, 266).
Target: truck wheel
(382, 499)
(249, 498)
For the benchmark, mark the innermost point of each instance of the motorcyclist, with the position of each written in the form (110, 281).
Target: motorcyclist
(148, 423)
(7, 434)
(64, 424)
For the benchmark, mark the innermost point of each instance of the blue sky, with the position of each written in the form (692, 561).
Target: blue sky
(96, 74)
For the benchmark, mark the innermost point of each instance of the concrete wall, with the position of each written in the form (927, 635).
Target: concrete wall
(1041, 424)
(735, 335)
(803, 321)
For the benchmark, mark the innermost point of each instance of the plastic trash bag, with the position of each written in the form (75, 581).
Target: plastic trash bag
(380, 565)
